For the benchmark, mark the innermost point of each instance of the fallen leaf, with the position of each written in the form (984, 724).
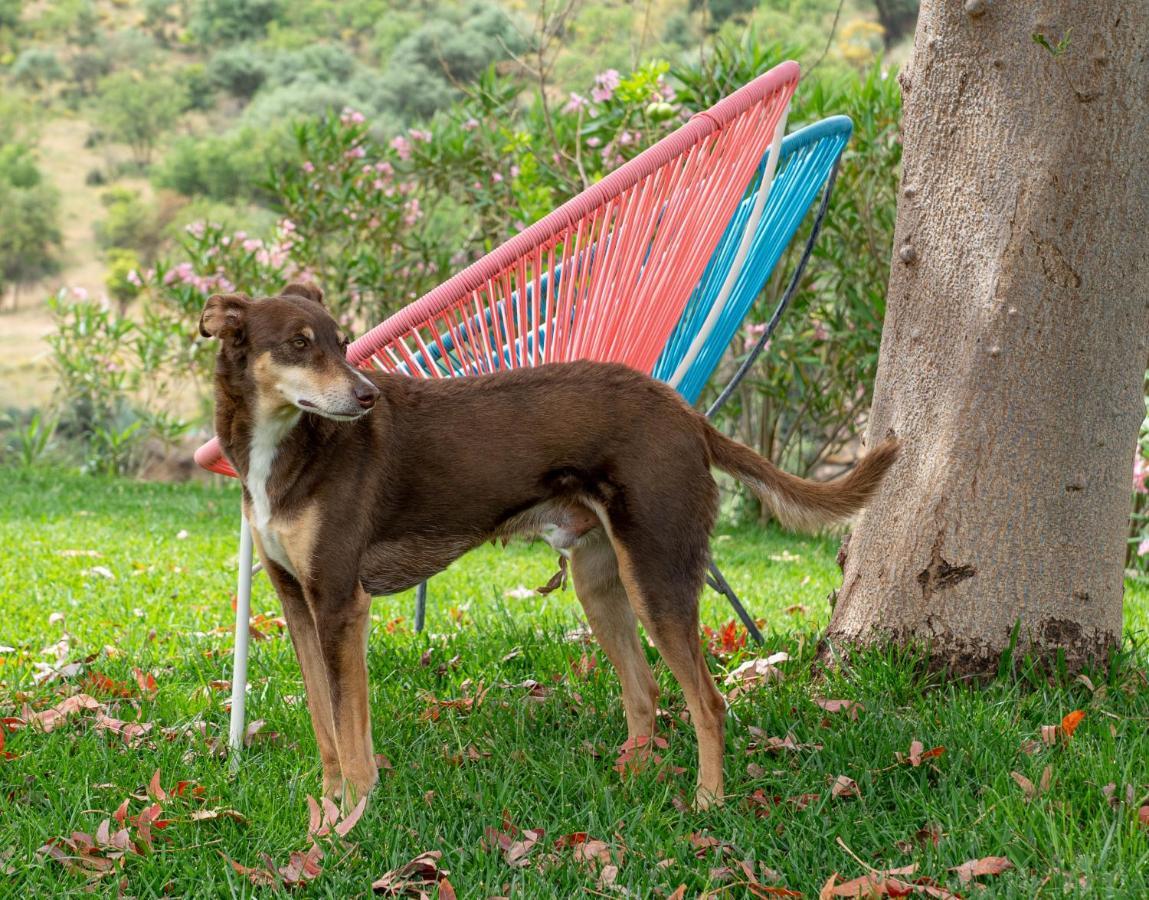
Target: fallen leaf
(1063, 732)
(928, 834)
(849, 707)
(918, 753)
(412, 878)
(146, 682)
(207, 815)
(1028, 788)
(446, 891)
(1143, 815)
(845, 787)
(975, 868)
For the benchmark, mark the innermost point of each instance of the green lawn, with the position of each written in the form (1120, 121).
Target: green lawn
(143, 574)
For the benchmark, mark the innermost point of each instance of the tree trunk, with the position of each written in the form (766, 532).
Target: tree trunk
(1016, 337)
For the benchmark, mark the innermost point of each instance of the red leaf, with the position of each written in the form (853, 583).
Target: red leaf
(973, 868)
(1143, 815)
(154, 790)
(1071, 721)
(918, 753)
(147, 682)
(446, 891)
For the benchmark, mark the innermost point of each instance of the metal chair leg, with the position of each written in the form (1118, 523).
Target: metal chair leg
(242, 638)
(420, 605)
(720, 584)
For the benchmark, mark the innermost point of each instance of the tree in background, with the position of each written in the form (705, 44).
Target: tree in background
(1013, 356)
(29, 234)
(897, 18)
(137, 108)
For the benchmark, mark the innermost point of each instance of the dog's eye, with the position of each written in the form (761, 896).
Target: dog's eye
(299, 343)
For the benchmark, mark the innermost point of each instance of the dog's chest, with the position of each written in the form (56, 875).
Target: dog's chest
(265, 441)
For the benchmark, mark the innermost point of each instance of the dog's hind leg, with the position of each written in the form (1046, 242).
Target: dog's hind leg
(594, 570)
(663, 588)
(301, 627)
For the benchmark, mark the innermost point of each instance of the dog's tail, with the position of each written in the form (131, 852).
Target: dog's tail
(800, 504)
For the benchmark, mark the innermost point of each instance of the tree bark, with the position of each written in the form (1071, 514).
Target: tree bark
(1016, 337)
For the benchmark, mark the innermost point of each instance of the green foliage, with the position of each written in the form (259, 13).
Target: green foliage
(36, 67)
(138, 107)
(239, 70)
(223, 167)
(120, 379)
(122, 280)
(29, 231)
(28, 437)
(129, 223)
(215, 22)
(426, 67)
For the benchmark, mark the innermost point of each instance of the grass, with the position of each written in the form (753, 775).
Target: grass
(546, 761)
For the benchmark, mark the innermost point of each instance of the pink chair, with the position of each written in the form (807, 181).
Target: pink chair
(606, 276)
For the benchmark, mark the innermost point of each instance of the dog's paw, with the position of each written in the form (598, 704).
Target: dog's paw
(705, 799)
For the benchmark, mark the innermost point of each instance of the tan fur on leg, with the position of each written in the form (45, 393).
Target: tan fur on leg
(603, 598)
(678, 643)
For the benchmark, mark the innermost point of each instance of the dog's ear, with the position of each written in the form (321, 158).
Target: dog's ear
(308, 290)
(223, 316)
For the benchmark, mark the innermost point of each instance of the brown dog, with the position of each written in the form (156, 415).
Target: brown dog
(358, 484)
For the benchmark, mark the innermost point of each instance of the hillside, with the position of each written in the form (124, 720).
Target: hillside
(140, 117)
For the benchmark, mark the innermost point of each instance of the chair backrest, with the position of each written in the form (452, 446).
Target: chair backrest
(647, 230)
(807, 157)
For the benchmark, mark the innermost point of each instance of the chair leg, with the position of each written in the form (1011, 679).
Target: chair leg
(720, 584)
(420, 605)
(242, 621)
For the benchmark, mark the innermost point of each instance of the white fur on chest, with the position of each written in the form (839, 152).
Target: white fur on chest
(266, 437)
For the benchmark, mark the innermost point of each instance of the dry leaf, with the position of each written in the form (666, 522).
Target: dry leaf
(413, 878)
(845, 787)
(974, 868)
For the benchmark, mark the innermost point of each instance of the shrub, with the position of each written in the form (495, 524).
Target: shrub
(36, 67)
(138, 107)
(241, 71)
(215, 22)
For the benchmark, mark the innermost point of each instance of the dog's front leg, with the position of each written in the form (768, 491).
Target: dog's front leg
(301, 627)
(342, 620)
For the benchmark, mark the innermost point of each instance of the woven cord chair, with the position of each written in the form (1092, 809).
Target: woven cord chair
(607, 276)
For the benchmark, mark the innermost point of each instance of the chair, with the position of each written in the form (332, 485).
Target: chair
(691, 227)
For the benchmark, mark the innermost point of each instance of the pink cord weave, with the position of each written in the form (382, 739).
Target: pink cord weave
(631, 249)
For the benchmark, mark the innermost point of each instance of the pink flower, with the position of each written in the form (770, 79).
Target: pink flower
(134, 278)
(352, 117)
(820, 332)
(308, 166)
(80, 293)
(252, 244)
(286, 225)
(515, 171)
(385, 169)
(497, 177)
(379, 184)
(411, 211)
(1143, 547)
(575, 103)
(471, 124)
(593, 141)
(417, 135)
(605, 83)
(195, 229)
(401, 146)
(1140, 472)
(355, 153)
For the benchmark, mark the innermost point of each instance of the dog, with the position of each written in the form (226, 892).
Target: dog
(361, 483)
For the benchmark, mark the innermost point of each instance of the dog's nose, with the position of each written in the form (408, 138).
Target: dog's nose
(366, 394)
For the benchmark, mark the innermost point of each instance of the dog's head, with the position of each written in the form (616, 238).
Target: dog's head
(288, 352)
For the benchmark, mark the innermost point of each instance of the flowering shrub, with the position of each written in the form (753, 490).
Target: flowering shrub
(379, 219)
